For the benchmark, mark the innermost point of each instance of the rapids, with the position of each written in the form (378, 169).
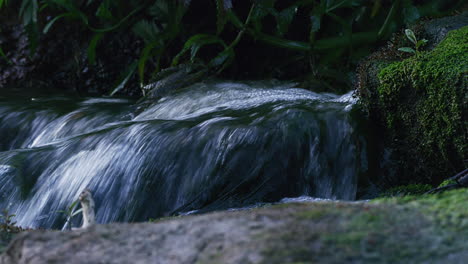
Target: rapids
(212, 146)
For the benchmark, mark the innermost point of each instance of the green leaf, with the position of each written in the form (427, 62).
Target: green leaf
(76, 212)
(113, 27)
(125, 76)
(73, 205)
(51, 22)
(160, 10)
(410, 35)
(315, 23)
(145, 55)
(234, 19)
(92, 47)
(284, 19)
(345, 3)
(3, 2)
(196, 42)
(33, 37)
(146, 30)
(66, 4)
(407, 49)
(2, 54)
(221, 17)
(222, 58)
(261, 10)
(103, 11)
(389, 19)
(345, 25)
(28, 11)
(421, 43)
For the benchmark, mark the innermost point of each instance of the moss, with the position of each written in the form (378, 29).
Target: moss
(447, 182)
(448, 209)
(409, 229)
(409, 189)
(423, 103)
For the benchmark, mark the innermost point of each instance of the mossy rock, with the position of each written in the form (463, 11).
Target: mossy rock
(420, 104)
(409, 229)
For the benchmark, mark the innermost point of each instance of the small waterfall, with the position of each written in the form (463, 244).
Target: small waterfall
(214, 145)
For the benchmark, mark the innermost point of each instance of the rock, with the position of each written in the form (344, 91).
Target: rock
(436, 30)
(420, 102)
(426, 229)
(173, 79)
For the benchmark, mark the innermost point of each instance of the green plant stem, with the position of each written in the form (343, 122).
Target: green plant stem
(103, 30)
(389, 17)
(242, 31)
(3, 55)
(322, 44)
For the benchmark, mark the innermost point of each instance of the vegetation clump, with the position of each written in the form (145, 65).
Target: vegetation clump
(8, 229)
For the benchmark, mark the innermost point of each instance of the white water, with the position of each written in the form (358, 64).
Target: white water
(212, 146)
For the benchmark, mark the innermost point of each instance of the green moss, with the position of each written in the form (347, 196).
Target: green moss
(409, 229)
(313, 214)
(448, 209)
(380, 229)
(409, 189)
(423, 100)
(446, 182)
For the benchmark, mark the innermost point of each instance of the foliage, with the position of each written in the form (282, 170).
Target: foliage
(319, 39)
(7, 224)
(8, 228)
(417, 43)
(70, 212)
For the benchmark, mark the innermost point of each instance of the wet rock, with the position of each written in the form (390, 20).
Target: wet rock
(172, 79)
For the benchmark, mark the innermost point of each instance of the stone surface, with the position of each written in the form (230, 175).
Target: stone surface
(425, 229)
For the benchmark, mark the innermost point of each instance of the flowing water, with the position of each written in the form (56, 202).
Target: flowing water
(214, 145)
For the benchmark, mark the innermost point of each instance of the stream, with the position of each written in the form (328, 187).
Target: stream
(211, 146)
